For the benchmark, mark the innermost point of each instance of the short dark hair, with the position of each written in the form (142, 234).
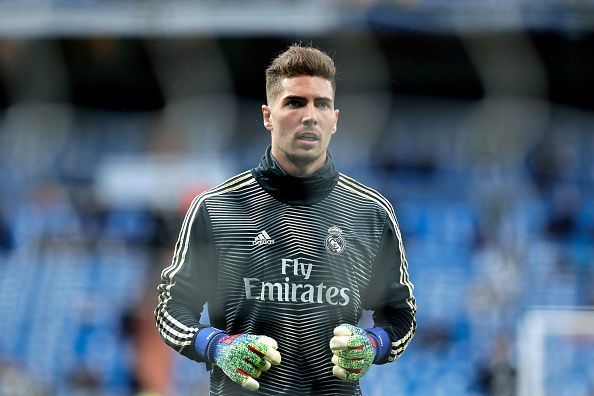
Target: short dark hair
(298, 61)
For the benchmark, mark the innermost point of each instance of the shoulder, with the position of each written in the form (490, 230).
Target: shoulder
(235, 183)
(368, 194)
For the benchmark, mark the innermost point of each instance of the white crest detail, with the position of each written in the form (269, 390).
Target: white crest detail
(334, 242)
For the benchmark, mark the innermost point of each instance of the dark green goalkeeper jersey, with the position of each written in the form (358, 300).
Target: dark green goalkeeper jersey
(291, 258)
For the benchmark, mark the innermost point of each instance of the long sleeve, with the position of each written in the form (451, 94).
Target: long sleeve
(187, 284)
(390, 292)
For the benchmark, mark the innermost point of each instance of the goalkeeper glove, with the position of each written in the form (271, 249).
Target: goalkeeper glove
(242, 357)
(355, 350)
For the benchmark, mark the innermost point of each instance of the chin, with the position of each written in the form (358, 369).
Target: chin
(305, 158)
(308, 155)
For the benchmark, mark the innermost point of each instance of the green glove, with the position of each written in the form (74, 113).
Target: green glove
(353, 350)
(244, 357)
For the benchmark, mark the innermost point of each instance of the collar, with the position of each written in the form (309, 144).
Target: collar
(295, 190)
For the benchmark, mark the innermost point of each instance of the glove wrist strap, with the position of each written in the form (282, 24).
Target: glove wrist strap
(206, 341)
(383, 344)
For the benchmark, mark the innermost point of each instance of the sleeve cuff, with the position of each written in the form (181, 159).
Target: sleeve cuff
(383, 344)
(205, 343)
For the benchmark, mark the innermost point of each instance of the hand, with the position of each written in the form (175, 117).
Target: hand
(354, 351)
(243, 357)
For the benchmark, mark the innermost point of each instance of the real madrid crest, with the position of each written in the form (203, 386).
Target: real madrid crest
(335, 243)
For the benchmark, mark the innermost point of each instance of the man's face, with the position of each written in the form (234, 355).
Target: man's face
(301, 120)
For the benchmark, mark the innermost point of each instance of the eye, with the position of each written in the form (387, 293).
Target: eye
(323, 105)
(294, 103)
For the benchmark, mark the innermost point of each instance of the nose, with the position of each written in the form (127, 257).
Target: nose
(310, 116)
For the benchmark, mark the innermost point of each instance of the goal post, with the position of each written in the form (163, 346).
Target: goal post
(549, 342)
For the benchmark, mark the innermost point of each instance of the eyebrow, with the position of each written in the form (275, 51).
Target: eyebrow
(297, 97)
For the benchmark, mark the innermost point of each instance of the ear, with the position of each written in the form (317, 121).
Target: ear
(336, 111)
(266, 117)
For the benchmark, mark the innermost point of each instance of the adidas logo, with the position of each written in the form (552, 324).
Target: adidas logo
(263, 239)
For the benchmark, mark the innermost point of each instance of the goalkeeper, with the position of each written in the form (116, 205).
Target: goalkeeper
(288, 255)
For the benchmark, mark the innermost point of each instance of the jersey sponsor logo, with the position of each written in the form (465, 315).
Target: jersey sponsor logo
(263, 239)
(334, 242)
(293, 290)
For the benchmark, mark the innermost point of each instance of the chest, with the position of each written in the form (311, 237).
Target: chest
(332, 241)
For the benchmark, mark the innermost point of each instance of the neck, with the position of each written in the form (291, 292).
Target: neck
(294, 188)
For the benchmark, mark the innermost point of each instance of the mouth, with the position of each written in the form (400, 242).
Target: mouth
(308, 136)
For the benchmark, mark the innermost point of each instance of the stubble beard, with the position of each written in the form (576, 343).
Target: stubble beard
(300, 158)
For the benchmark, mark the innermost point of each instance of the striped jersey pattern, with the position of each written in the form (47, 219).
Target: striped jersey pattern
(291, 272)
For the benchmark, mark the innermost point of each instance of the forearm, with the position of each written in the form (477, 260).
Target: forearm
(399, 325)
(390, 294)
(177, 325)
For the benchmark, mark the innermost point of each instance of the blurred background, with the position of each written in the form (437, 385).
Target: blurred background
(475, 118)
